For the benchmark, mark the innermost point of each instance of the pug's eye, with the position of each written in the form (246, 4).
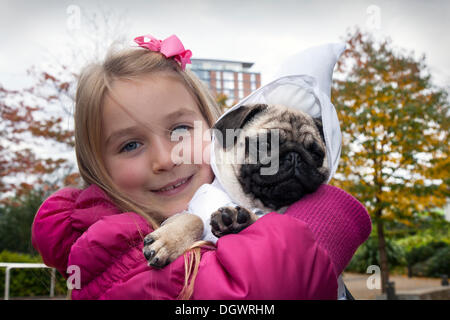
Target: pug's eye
(247, 146)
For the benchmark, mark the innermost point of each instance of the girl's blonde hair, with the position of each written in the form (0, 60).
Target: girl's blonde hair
(93, 86)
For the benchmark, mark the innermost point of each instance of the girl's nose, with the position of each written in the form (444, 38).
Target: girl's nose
(161, 155)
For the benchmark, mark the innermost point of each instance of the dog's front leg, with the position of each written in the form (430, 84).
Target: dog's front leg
(172, 239)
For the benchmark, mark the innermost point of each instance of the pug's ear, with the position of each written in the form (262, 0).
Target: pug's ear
(237, 119)
(319, 126)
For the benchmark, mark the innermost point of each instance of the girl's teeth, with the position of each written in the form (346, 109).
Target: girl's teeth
(173, 187)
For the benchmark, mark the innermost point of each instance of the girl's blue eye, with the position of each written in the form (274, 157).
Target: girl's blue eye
(181, 128)
(179, 131)
(130, 146)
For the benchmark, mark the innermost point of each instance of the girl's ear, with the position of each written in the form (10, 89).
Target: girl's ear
(237, 119)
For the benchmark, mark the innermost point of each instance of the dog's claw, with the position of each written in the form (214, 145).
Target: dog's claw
(148, 241)
(154, 262)
(146, 255)
(165, 244)
(149, 254)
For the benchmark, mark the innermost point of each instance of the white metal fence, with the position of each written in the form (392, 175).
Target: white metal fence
(10, 266)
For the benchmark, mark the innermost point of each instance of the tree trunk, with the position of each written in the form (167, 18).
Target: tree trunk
(384, 266)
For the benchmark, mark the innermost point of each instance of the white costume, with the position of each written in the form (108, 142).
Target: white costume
(303, 82)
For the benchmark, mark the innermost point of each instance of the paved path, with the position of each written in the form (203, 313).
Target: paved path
(357, 284)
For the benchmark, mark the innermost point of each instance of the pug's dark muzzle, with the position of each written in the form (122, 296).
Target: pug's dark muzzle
(298, 174)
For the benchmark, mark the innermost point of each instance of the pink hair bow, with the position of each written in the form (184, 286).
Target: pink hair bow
(170, 47)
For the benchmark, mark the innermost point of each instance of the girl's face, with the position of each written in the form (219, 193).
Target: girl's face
(139, 144)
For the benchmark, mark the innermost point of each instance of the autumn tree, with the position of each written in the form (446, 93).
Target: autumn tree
(36, 130)
(24, 127)
(221, 100)
(395, 126)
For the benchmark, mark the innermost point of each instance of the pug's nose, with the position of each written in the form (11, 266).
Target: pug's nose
(291, 159)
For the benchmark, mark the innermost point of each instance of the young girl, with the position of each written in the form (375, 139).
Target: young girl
(126, 112)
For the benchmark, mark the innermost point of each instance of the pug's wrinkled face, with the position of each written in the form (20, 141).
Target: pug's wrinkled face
(269, 156)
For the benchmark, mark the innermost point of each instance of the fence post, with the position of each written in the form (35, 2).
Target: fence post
(7, 283)
(52, 284)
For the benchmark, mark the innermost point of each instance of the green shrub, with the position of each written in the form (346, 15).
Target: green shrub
(423, 238)
(439, 263)
(16, 220)
(434, 266)
(429, 260)
(29, 282)
(424, 252)
(368, 254)
(8, 256)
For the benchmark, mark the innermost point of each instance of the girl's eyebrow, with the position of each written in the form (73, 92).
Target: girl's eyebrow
(179, 113)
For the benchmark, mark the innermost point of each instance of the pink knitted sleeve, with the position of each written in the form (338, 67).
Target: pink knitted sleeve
(339, 222)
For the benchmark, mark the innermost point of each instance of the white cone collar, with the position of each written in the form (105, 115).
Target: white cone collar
(317, 62)
(304, 83)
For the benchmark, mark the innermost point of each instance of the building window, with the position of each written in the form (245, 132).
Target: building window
(252, 82)
(228, 79)
(228, 84)
(219, 81)
(231, 78)
(240, 85)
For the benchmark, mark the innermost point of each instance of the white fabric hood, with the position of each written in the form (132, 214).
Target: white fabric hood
(304, 82)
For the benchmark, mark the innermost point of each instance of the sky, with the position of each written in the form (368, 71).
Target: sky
(264, 32)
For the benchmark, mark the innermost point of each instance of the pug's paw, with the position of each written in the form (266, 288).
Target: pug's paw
(157, 247)
(228, 220)
(172, 239)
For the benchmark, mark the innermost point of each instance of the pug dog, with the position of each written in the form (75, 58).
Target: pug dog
(299, 151)
(248, 142)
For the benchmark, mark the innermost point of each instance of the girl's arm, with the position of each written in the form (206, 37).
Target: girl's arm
(277, 257)
(62, 219)
(339, 222)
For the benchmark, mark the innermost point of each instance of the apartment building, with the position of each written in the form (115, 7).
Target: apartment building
(232, 78)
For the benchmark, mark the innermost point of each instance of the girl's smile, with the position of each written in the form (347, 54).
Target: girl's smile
(140, 118)
(173, 187)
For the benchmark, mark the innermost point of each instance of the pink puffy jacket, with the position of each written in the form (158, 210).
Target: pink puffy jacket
(297, 255)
